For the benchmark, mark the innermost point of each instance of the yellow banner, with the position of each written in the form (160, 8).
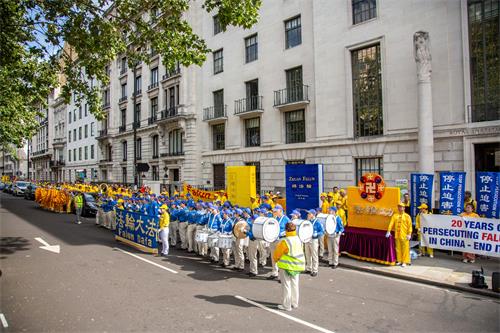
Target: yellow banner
(372, 215)
(198, 194)
(241, 184)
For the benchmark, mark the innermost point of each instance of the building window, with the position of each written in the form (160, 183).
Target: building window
(155, 144)
(294, 85)
(175, 144)
(69, 136)
(124, 91)
(80, 153)
(252, 132)
(484, 46)
(368, 165)
(295, 126)
(123, 65)
(80, 112)
(69, 155)
(137, 115)
(363, 10)
(86, 151)
(218, 61)
(293, 32)
(155, 172)
(106, 98)
(74, 134)
(251, 48)
(123, 118)
(92, 129)
(367, 91)
(257, 174)
(138, 148)
(86, 131)
(218, 136)
(92, 152)
(217, 25)
(124, 150)
(86, 107)
(79, 133)
(138, 85)
(124, 175)
(69, 117)
(74, 115)
(74, 154)
(219, 176)
(154, 76)
(154, 107)
(218, 103)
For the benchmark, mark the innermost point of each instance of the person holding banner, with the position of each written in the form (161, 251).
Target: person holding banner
(424, 209)
(468, 199)
(469, 212)
(401, 222)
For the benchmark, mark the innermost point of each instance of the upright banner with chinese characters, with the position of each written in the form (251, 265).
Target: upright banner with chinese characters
(452, 191)
(138, 230)
(304, 184)
(487, 194)
(241, 184)
(421, 191)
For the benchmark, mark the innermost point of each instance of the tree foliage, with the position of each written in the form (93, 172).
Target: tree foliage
(43, 38)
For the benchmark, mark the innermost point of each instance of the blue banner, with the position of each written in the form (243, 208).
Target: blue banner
(487, 193)
(304, 184)
(137, 229)
(452, 191)
(421, 191)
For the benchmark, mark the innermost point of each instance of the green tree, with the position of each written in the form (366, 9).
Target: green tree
(42, 39)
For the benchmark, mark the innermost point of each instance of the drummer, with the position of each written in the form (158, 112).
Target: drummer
(282, 220)
(226, 228)
(239, 256)
(334, 239)
(201, 223)
(253, 244)
(213, 224)
(191, 219)
(312, 247)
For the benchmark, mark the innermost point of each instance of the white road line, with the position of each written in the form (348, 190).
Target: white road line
(4, 321)
(146, 260)
(279, 313)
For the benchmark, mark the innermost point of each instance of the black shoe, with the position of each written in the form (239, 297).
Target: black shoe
(272, 277)
(306, 272)
(223, 265)
(252, 275)
(212, 260)
(313, 274)
(334, 266)
(234, 268)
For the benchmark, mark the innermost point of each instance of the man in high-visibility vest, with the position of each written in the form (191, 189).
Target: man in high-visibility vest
(78, 207)
(290, 258)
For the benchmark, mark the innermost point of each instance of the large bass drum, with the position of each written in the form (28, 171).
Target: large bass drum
(328, 222)
(304, 230)
(266, 228)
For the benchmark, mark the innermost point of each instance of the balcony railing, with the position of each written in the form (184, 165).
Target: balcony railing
(138, 92)
(106, 160)
(171, 73)
(102, 133)
(136, 124)
(153, 85)
(171, 112)
(123, 70)
(291, 95)
(154, 157)
(215, 112)
(172, 154)
(122, 128)
(152, 119)
(253, 103)
(58, 163)
(122, 99)
(483, 112)
(59, 141)
(106, 105)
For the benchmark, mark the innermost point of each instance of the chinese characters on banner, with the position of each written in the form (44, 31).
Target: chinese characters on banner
(304, 184)
(421, 191)
(487, 192)
(452, 190)
(138, 230)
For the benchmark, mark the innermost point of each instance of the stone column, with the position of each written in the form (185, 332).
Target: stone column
(425, 118)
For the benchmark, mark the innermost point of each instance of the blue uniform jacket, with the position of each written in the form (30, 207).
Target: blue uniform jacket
(340, 226)
(203, 218)
(183, 215)
(226, 226)
(191, 216)
(249, 232)
(214, 222)
(283, 221)
(318, 229)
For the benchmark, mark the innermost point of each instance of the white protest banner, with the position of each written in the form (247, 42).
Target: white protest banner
(466, 234)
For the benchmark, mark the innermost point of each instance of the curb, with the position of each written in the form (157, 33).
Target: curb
(482, 292)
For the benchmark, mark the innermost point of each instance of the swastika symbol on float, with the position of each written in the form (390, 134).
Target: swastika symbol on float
(371, 187)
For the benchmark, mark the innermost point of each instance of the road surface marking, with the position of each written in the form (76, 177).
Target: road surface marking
(51, 248)
(146, 260)
(4, 321)
(280, 313)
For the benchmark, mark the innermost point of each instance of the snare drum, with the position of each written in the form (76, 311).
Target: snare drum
(265, 228)
(225, 242)
(212, 239)
(328, 222)
(304, 230)
(201, 236)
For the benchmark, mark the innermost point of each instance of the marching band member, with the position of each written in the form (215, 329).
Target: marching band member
(182, 218)
(239, 256)
(213, 224)
(312, 247)
(334, 239)
(253, 244)
(282, 220)
(401, 222)
(191, 219)
(174, 224)
(201, 221)
(226, 227)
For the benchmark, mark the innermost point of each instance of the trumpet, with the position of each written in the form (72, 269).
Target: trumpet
(103, 188)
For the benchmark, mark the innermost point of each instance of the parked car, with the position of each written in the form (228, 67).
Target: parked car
(29, 193)
(8, 188)
(19, 187)
(89, 205)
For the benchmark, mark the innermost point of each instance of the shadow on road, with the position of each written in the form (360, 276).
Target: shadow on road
(224, 299)
(10, 245)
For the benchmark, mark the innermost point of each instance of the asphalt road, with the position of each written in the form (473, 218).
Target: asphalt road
(93, 286)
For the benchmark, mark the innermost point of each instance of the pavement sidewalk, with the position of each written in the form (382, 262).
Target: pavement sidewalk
(443, 270)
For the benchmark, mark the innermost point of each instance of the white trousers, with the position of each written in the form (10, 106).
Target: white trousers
(164, 240)
(263, 248)
(333, 249)
(173, 226)
(253, 248)
(321, 242)
(226, 256)
(191, 228)
(214, 253)
(183, 234)
(290, 288)
(99, 218)
(239, 256)
(199, 246)
(311, 253)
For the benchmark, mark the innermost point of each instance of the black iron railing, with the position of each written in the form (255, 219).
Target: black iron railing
(291, 95)
(215, 112)
(244, 105)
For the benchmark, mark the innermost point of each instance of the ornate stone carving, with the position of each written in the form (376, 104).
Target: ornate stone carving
(423, 57)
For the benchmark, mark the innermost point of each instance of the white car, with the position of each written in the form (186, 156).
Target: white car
(19, 187)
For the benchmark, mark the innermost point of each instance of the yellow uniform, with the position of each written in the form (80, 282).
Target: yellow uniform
(401, 222)
(423, 249)
(164, 219)
(471, 201)
(325, 206)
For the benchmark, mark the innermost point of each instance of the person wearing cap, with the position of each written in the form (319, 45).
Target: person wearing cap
(200, 226)
(424, 209)
(253, 244)
(164, 223)
(239, 244)
(312, 247)
(254, 204)
(324, 203)
(213, 224)
(226, 228)
(191, 228)
(290, 260)
(335, 193)
(469, 212)
(401, 222)
(183, 224)
(174, 224)
(295, 215)
(334, 239)
(468, 199)
(282, 220)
